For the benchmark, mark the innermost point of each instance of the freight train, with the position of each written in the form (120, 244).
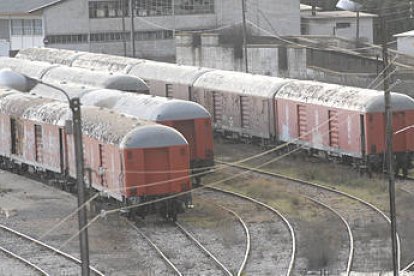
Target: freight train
(130, 160)
(189, 118)
(339, 121)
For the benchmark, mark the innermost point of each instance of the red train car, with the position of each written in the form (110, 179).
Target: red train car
(344, 121)
(189, 118)
(131, 160)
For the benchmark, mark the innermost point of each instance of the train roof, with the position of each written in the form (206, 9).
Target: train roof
(50, 55)
(240, 83)
(167, 72)
(99, 123)
(34, 69)
(72, 90)
(63, 74)
(107, 63)
(145, 106)
(343, 97)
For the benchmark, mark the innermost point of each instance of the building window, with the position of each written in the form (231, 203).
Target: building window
(342, 25)
(67, 39)
(26, 27)
(106, 9)
(108, 37)
(165, 7)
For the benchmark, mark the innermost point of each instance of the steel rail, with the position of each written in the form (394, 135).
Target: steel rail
(308, 183)
(248, 240)
(203, 248)
(156, 248)
(285, 221)
(349, 230)
(23, 260)
(50, 248)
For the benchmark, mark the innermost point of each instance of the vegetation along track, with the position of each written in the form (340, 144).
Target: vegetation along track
(371, 237)
(404, 215)
(40, 257)
(273, 245)
(182, 252)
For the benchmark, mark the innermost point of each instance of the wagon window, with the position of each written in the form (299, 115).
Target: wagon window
(38, 142)
(168, 90)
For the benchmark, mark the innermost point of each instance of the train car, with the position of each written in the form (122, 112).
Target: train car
(75, 77)
(163, 79)
(91, 61)
(189, 118)
(240, 104)
(131, 160)
(343, 121)
(168, 80)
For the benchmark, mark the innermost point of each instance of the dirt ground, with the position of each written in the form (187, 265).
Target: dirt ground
(34, 209)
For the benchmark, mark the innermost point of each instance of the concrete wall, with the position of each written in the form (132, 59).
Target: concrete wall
(327, 26)
(72, 17)
(405, 45)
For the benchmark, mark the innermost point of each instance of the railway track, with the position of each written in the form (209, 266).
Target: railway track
(371, 220)
(261, 258)
(407, 187)
(183, 253)
(41, 258)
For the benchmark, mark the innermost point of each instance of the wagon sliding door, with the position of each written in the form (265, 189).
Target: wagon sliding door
(244, 111)
(217, 107)
(302, 123)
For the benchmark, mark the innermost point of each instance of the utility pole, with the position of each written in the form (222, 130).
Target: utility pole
(82, 218)
(132, 9)
(123, 11)
(357, 28)
(246, 66)
(389, 148)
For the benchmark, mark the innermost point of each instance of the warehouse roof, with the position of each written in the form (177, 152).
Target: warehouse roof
(24, 6)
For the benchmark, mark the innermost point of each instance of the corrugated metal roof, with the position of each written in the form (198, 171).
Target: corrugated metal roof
(145, 106)
(24, 6)
(240, 83)
(342, 97)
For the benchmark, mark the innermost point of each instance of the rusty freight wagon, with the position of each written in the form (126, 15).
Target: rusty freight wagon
(131, 160)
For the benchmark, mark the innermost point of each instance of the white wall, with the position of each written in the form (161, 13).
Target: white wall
(4, 48)
(405, 45)
(21, 42)
(327, 26)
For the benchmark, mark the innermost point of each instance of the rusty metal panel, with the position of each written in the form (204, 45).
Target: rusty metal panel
(38, 143)
(217, 107)
(333, 128)
(245, 109)
(302, 122)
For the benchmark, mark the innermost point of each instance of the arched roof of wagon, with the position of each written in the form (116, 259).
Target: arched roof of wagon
(71, 75)
(34, 69)
(50, 55)
(240, 83)
(342, 97)
(167, 72)
(144, 106)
